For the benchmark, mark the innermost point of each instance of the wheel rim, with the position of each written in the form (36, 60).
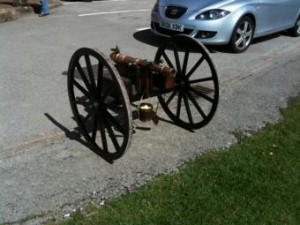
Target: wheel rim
(193, 101)
(99, 103)
(243, 35)
(298, 26)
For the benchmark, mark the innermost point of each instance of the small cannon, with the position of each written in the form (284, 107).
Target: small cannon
(102, 91)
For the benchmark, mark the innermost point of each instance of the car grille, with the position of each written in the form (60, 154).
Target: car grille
(174, 12)
(169, 32)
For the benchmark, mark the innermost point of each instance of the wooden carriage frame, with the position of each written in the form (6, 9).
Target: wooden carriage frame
(102, 91)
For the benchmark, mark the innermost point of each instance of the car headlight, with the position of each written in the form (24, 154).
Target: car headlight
(212, 14)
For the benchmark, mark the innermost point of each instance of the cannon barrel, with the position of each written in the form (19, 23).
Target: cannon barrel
(118, 57)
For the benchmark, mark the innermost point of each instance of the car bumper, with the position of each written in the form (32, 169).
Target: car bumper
(214, 32)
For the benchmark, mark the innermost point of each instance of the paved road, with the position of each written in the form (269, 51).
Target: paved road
(46, 169)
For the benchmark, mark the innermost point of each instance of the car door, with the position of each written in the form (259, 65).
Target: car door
(269, 16)
(290, 11)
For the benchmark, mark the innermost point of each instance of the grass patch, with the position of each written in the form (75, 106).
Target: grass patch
(255, 182)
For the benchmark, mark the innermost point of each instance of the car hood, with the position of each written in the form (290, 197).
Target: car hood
(197, 5)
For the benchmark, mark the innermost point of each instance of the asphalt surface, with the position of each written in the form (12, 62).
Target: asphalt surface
(46, 170)
(54, 176)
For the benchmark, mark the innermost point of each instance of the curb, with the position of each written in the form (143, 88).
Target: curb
(9, 12)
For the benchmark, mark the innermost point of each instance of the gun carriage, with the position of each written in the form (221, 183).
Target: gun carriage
(103, 91)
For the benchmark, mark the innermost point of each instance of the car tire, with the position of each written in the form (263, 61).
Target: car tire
(242, 35)
(295, 31)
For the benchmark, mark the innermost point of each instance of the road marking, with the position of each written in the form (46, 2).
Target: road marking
(103, 1)
(114, 1)
(143, 28)
(115, 12)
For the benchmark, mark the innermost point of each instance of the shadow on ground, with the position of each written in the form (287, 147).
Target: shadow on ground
(149, 38)
(76, 136)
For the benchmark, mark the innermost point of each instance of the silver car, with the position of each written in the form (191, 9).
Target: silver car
(222, 22)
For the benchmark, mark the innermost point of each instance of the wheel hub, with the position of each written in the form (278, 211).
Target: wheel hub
(182, 83)
(243, 35)
(95, 105)
(181, 80)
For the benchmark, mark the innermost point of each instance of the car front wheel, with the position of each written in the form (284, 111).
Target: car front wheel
(242, 35)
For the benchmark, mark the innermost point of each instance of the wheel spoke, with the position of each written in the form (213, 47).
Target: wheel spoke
(90, 73)
(200, 80)
(246, 24)
(167, 60)
(171, 97)
(244, 42)
(99, 80)
(112, 135)
(193, 100)
(87, 116)
(178, 66)
(201, 94)
(187, 107)
(239, 41)
(198, 63)
(103, 135)
(82, 89)
(239, 31)
(185, 61)
(108, 91)
(83, 76)
(95, 127)
(114, 122)
(179, 105)
(248, 34)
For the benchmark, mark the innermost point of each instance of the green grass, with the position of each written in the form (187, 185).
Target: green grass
(255, 182)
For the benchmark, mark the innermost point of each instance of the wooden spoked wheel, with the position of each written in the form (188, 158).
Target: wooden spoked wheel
(193, 101)
(100, 103)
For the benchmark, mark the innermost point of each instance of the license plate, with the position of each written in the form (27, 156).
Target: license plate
(171, 26)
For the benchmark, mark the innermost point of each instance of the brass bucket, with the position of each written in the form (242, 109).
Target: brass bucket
(145, 112)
